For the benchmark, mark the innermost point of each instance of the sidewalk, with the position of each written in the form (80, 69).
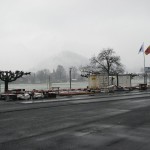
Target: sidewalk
(88, 96)
(60, 101)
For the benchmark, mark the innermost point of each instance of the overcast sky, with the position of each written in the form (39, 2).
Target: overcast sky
(32, 30)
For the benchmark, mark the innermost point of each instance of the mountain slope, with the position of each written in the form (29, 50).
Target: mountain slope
(65, 58)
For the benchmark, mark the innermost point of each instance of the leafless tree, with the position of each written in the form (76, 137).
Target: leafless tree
(107, 62)
(60, 73)
(9, 76)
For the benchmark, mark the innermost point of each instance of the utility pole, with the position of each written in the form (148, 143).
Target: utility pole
(70, 76)
(49, 82)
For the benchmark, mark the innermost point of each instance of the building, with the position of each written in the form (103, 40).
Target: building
(98, 81)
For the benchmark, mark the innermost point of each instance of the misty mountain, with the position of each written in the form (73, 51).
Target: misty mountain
(65, 58)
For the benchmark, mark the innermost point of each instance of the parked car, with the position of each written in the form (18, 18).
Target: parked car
(38, 95)
(24, 96)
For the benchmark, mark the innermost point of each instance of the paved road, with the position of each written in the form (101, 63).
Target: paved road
(113, 122)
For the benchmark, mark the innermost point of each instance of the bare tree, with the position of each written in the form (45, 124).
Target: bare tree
(9, 76)
(107, 62)
(60, 73)
(42, 75)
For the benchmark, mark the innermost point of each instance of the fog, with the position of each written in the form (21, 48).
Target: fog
(32, 31)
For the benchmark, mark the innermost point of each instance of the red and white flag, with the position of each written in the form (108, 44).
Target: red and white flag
(147, 51)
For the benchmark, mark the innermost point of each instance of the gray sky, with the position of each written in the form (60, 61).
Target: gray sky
(32, 30)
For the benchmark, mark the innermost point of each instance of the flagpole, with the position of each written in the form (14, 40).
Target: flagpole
(144, 57)
(142, 50)
(145, 79)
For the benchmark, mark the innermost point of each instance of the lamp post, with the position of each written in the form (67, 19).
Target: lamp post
(0, 86)
(70, 76)
(49, 83)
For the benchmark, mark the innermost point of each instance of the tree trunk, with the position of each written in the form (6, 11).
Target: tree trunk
(6, 86)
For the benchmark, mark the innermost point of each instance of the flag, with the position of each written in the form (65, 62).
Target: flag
(147, 51)
(142, 48)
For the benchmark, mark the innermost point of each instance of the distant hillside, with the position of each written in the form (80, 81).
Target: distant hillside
(65, 58)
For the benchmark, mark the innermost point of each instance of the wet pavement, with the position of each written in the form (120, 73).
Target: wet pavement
(110, 122)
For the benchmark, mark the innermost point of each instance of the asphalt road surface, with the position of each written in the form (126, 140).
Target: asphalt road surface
(113, 122)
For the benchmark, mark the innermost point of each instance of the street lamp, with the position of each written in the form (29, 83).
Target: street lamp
(70, 76)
